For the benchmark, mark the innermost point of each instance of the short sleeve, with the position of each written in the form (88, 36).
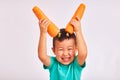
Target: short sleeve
(52, 60)
(77, 64)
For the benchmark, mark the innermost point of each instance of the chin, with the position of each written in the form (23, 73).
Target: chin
(65, 63)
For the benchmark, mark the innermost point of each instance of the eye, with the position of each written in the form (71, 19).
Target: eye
(70, 48)
(60, 49)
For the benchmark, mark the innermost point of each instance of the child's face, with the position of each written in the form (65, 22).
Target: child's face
(65, 51)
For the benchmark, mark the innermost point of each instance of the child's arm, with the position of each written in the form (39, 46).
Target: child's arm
(42, 49)
(81, 45)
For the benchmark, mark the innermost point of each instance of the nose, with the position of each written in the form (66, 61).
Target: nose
(65, 53)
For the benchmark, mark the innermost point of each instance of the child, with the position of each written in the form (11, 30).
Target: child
(66, 65)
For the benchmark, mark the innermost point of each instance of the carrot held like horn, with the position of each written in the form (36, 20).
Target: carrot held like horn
(79, 12)
(52, 28)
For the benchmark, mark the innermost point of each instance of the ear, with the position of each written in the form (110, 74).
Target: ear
(76, 49)
(53, 49)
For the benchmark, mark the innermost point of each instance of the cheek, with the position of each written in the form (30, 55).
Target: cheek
(72, 52)
(59, 53)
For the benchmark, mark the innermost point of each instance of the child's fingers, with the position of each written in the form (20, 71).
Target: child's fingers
(77, 18)
(46, 22)
(73, 21)
(43, 21)
(40, 20)
(43, 24)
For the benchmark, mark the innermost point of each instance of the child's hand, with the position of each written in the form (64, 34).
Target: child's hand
(43, 24)
(76, 24)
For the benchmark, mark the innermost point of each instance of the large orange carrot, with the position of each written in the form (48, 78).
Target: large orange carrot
(79, 12)
(52, 28)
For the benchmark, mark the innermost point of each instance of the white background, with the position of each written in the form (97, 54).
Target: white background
(19, 36)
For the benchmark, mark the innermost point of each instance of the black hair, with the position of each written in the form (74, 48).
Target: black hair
(62, 35)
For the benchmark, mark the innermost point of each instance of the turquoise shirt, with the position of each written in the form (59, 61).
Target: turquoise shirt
(59, 71)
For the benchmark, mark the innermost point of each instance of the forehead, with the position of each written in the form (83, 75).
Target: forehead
(66, 42)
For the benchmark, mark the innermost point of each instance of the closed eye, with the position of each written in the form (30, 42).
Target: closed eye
(60, 49)
(70, 48)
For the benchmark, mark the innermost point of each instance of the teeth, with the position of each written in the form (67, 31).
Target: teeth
(66, 59)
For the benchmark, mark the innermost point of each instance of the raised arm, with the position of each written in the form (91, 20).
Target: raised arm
(81, 45)
(42, 49)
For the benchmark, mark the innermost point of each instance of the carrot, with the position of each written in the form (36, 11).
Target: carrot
(79, 12)
(52, 28)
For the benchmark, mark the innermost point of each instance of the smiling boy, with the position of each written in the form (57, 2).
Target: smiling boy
(70, 52)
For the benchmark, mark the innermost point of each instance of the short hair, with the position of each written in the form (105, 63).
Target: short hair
(62, 35)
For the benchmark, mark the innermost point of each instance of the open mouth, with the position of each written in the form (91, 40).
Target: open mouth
(66, 59)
